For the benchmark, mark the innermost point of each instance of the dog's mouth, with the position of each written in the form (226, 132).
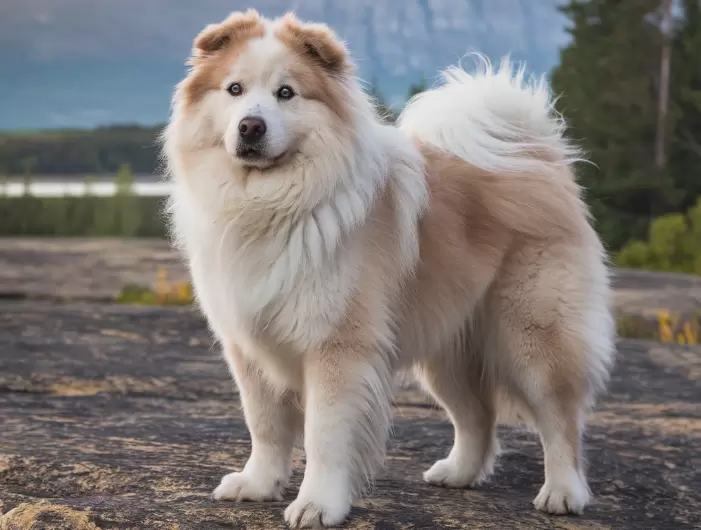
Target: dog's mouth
(256, 157)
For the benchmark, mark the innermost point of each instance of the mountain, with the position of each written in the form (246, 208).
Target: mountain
(82, 63)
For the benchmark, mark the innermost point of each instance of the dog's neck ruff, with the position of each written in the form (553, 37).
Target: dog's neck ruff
(280, 243)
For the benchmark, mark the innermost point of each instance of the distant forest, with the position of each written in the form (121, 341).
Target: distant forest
(80, 152)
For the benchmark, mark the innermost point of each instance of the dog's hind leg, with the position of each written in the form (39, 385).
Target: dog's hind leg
(456, 383)
(556, 335)
(556, 400)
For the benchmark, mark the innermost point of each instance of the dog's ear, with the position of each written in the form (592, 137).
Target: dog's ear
(237, 27)
(315, 41)
(211, 39)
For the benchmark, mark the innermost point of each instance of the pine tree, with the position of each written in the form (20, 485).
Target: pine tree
(127, 204)
(28, 165)
(608, 81)
(4, 181)
(685, 150)
(124, 179)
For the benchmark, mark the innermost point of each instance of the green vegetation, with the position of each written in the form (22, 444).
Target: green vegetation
(610, 82)
(70, 152)
(164, 293)
(673, 244)
(130, 216)
(141, 295)
(123, 214)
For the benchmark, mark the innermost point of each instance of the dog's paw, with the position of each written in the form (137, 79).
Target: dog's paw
(310, 513)
(563, 497)
(245, 486)
(447, 474)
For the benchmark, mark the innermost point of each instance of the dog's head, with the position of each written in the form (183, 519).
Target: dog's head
(265, 90)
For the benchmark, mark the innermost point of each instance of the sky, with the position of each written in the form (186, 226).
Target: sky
(82, 63)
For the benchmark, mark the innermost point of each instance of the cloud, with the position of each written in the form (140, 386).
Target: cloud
(58, 29)
(66, 46)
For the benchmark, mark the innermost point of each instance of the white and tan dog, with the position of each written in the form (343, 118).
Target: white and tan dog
(329, 251)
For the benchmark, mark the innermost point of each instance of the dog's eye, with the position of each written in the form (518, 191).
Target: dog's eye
(285, 92)
(235, 89)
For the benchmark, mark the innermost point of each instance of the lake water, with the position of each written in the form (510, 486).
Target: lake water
(79, 188)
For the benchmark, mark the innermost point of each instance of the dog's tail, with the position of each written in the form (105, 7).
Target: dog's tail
(505, 125)
(496, 119)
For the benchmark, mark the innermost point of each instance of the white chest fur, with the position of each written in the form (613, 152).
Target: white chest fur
(274, 288)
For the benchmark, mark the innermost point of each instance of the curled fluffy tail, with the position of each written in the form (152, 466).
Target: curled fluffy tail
(504, 124)
(495, 119)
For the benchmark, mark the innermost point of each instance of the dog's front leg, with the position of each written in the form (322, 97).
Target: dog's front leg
(347, 416)
(274, 421)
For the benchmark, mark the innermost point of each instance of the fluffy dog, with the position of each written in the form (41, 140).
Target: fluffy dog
(329, 251)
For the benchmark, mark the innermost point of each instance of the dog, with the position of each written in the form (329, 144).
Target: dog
(330, 250)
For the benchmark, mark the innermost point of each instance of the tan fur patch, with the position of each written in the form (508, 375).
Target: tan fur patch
(321, 62)
(238, 27)
(316, 42)
(317, 85)
(457, 191)
(215, 49)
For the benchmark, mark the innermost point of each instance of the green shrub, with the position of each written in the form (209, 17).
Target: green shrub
(136, 294)
(673, 245)
(635, 255)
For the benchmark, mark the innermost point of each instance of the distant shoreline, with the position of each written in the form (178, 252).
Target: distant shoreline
(76, 185)
(78, 177)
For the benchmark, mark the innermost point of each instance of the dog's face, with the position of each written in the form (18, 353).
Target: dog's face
(265, 90)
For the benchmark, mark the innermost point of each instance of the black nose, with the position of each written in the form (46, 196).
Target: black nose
(251, 129)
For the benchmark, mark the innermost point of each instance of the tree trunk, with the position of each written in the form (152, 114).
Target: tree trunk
(660, 152)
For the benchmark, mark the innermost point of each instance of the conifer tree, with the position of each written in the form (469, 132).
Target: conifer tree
(608, 83)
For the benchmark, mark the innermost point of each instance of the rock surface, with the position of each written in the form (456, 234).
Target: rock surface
(91, 269)
(125, 417)
(97, 269)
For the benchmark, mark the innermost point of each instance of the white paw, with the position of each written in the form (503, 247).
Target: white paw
(448, 474)
(246, 486)
(308, 513)
(563, 497)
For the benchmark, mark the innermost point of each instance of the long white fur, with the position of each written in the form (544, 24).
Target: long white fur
(279, 292)
(496, 119)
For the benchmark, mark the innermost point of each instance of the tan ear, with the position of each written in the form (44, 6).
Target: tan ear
(211, 39)
(316, 41)
(237, 27)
